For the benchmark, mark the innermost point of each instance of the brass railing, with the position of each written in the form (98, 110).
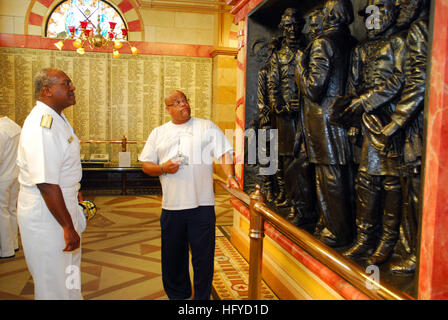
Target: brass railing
(349, 271)
(124, 142)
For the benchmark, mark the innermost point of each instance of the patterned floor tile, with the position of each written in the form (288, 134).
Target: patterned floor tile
(120, 251)
(231, 277)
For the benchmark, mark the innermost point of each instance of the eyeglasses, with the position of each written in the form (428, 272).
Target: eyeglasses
(67, 83)
(178, 102)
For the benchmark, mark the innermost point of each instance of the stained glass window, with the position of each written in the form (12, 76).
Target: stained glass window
(72, 12)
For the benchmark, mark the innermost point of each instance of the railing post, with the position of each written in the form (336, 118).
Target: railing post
(123, 144)
(256, 234)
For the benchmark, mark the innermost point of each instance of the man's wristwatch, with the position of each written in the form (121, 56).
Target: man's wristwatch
(161, 170)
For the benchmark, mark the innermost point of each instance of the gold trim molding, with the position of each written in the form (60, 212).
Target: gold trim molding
(197, 6)
(224, 51)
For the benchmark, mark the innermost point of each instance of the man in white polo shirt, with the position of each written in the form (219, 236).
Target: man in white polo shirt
(181, 153)
(50, 220)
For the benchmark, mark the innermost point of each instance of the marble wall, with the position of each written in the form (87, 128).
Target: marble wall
(145, 24)
(224, 91)
(179, 27)
(433, 269)
(224, 96)
(12, 16)
(153, 32)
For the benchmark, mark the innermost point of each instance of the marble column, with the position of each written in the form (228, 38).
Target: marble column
(433, 265)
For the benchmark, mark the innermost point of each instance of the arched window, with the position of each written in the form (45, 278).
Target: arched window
(72, 12)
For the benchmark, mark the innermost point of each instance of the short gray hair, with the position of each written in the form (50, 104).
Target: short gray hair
(44, 78)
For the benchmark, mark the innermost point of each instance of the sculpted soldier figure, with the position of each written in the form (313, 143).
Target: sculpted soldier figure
(313, 25)
(265, 117)
(300, 175)
(283, 95)
(376, 80)
(321, 74)
(408, 117)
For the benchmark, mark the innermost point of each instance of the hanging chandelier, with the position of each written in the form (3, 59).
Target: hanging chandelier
(94, 38)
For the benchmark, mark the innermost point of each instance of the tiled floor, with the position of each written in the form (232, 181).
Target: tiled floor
(231, 276)
(121, 254)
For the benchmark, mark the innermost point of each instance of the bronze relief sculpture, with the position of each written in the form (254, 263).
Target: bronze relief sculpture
(321, 74)
(350, 124)
(283, 95)
(300, 174)
(265, 118)
(408, 118)
(376, 80)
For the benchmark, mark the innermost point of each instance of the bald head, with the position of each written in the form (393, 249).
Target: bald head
(170, 97)
(177, 105)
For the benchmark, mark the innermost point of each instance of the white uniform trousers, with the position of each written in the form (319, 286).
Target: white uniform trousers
(8, 217)
(56, 274)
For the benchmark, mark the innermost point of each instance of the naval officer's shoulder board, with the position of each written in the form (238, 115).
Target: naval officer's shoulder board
(46, 121)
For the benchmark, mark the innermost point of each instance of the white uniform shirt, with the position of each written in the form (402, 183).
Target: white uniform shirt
(198, 141)
(9, 141)
(48, 155)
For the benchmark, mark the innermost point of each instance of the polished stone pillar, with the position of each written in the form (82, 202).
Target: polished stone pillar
(433, 265)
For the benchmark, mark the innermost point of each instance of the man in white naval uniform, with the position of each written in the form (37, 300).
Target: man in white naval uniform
(49, 218)
(9, 187)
